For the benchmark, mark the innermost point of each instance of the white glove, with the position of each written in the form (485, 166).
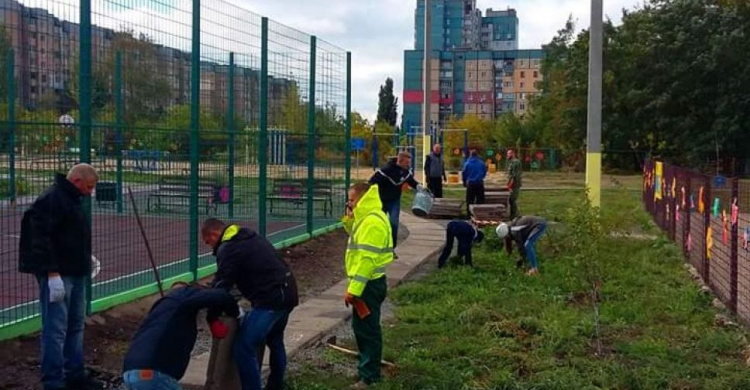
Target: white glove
(419, 188)
(241, 316)
(56, 289)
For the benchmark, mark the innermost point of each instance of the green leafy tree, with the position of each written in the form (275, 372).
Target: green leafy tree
(4, 53)
(387, 104)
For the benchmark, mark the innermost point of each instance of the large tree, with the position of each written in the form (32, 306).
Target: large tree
(4, 52)
(387, 104)
(675, 84)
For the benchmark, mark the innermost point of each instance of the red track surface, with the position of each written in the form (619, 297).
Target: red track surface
(117, 243)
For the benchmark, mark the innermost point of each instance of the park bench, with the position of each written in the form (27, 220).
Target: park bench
(446, 208)
(175, 192)
(295, 192)
(495, 208)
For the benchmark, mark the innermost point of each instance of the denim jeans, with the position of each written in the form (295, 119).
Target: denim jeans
(531, 241)
(149, 380)
(62, 332)
(259, 326)
(393, 209)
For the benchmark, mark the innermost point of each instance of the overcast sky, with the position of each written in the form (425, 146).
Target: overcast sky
(378, 31)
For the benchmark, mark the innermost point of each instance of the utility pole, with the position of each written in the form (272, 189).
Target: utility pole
(594, 125)
(426, 73)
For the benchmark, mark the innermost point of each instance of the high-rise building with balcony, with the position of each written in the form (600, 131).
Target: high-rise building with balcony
(476, 65)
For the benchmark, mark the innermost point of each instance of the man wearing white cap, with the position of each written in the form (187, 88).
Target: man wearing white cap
(525, 231)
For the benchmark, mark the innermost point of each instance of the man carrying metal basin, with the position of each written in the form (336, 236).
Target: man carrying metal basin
(389, 180)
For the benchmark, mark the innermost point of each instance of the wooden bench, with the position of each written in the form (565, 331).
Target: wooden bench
(446, 208)
(295, 192)
(496, 195)
(488, 214)
(175, 191)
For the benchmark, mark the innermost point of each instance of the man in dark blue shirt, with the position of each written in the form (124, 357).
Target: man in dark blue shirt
(467, 235)
(473, 177)
(160, 350)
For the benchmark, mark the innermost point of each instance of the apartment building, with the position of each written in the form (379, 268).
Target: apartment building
(476, 65)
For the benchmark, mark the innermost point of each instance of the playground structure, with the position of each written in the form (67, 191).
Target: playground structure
(256, 115)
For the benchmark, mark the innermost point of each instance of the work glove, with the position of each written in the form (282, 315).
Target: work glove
(218, 329)
(56, 289)
(242, 314)
(349, 299)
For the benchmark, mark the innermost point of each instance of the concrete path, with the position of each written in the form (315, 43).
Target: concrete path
(316, 317)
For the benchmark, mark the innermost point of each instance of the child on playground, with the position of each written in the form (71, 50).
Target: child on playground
(525, 231)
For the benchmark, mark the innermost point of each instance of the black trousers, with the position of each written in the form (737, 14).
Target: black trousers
(435, 185)
(464, 247)
(474, 194)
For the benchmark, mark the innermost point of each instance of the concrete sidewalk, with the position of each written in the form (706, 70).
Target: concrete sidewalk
(316, 317)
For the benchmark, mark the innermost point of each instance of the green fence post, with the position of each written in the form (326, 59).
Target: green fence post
(348, 146)
(311, 137)
(195, 90)
(230, 127)
(11, 64)
(263, 134)
(118, 126)
(84, 103)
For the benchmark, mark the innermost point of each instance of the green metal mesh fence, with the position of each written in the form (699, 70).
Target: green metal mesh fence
(197, 109)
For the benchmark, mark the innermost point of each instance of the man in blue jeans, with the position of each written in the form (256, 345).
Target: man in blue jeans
(525, 231)
(56, 247)
(390, 179)
(160, 350)
(249, 261)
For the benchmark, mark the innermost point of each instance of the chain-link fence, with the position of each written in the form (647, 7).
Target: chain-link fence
(196, 108)
(709, 217)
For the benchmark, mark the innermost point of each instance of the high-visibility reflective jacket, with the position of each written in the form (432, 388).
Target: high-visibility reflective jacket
(370, 246)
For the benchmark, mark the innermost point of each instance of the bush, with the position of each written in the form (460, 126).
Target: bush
(22, 187)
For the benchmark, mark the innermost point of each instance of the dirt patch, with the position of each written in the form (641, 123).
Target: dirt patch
(317, 264)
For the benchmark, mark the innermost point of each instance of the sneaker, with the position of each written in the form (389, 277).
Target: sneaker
(395, 256)
(533, 272)
(359, 385)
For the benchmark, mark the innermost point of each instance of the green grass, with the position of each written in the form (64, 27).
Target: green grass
(495, 328)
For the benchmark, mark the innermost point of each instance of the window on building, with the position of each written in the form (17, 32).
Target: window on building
(523, 74)
(44, 79)
(536, 74)
(521, 85)
(522, 106)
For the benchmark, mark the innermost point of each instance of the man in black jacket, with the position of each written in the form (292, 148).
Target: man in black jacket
(390, 179)
(250, 262)
(160, 350)
(56, 247)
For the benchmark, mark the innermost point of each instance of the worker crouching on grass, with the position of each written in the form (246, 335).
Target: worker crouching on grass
(467, 235)
(369, 250)
(160, 350)
(525, 231)
(248, 260)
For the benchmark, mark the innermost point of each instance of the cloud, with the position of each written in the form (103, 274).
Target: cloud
(376, 32)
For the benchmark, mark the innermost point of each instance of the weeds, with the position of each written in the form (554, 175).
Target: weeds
(606, 312)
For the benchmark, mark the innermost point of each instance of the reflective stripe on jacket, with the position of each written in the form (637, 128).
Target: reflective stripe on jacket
(370, 246)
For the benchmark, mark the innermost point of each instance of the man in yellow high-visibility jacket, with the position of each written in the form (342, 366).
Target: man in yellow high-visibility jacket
(369, 250)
